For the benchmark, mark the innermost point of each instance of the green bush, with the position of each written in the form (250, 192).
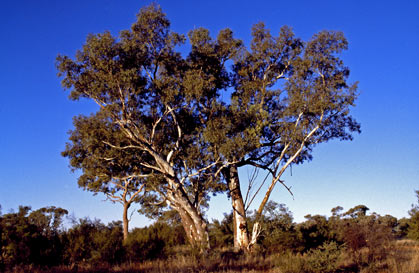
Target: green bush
(279, 232)
(324, 259)
(314, 232)
(221, 233)
(145, 244)
(31, 238)
(91, 242)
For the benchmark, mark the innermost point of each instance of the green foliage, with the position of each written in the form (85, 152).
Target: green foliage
(91, 242)
(413, 229)
(357, 212)
(155, 241)
(31, 237)
(314, 232)
(146, 244)
(402, 228)
(221, 232)
(324, 259)
(279, 231)
(363, 243)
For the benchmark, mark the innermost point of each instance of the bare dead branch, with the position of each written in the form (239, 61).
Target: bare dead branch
(257, 191)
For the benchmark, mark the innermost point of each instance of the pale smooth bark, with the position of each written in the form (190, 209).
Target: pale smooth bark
(241, 236)
(194, 224)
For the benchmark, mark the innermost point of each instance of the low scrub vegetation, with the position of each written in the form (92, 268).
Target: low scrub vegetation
(351, 241)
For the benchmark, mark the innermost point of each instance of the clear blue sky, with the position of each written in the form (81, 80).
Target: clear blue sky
(380, 168)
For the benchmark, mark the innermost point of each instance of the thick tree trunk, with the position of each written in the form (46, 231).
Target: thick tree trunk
(194, 224)
(241, 234)
(196, 230)
(125, 220)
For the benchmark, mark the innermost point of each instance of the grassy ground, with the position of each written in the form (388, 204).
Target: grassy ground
(400, 257)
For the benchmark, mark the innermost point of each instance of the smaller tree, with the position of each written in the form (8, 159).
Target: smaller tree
(105, 170)
(314, 231)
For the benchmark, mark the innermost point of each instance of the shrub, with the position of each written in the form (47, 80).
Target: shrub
(314, 232)
(145, 244)
(279, 232)
(221, 233)
(324, 259)
(91, 242)
(31, 239)
(369, 241)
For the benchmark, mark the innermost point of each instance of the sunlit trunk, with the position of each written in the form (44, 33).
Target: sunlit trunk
(241, 236)
(125, 220)
(195, 229)
(255, 234)
(194, 224)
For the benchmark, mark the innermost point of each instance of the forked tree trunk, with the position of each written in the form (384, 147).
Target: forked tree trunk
(241, 234)
(196, 230)
(194, 224)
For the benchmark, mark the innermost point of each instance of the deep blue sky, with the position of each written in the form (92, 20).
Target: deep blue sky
(380, 168)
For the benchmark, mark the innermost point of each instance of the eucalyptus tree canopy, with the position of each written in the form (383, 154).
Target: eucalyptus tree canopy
(154, 106)
(288, 97)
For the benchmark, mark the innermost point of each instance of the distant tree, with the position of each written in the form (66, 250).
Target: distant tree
(221, 232)
(154, 241)
(357, 211)
(48, 219)
(401, 230)
(314, 231)
(336, 211)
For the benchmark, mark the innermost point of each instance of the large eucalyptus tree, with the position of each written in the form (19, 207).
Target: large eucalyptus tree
(154, 106)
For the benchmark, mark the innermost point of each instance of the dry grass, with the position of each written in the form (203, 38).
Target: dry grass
(175, 264)
(404, 258)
